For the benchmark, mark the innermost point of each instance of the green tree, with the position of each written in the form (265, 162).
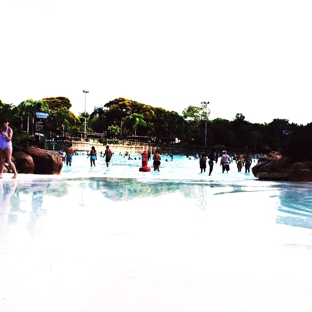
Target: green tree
(9, 111)
(298, 143)
(274, 133)
(61, 120)
(256, 136)
(113, 131)
(57, 103)
(27, 111)
(159, 124)
(222, 132)
(136, 120)
(196, 117)
(98, 120)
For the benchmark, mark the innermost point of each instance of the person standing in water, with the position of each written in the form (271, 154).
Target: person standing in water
(248, 161)
(157, 159)
(239, 162)
(212, 158)
(93, 157)
(69, 154)
(202, 163)
(225, 162)
(108, 155)
(6, 135)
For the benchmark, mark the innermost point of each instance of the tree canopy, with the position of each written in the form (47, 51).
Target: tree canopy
(123, 117)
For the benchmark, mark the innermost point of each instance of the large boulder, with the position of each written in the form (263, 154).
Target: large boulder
(268, 167)
(272, 166)
(266, 163)
(275, 166)
(45, 162)
(273, 176)
(258, 167)
(281, 163)
(271, 156)
(301, 171)
(24, 162)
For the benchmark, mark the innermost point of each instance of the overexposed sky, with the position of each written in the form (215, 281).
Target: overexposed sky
(249, 57)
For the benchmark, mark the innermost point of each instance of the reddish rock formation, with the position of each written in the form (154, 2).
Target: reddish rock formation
(301, 171)
(265, 163)
(24, 162)
(281, 163)
(44, 161)
(275, 166)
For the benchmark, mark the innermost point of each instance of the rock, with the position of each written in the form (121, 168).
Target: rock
(272, 156)
(24, 162)
(45, 162)
(268, 167)
(273, 176)
(281, 163)
(275, 166)
(301, 171)
(258, 166)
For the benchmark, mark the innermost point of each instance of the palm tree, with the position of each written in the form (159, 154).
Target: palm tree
(8, 111)
(29, 107)
(136, 120)
(61, 120)
(99, 111)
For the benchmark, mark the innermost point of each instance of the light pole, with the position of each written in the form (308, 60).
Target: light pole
(85, 113)
(205, 103)
(122, 114)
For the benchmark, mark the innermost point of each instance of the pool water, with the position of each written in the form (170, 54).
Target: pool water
(116, 239)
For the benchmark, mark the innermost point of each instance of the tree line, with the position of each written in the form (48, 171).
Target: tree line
(123, 118)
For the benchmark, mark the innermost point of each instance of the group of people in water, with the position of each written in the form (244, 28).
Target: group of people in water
(68, 152)
(240, 160)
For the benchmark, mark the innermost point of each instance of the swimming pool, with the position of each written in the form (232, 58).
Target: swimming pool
(98, 239)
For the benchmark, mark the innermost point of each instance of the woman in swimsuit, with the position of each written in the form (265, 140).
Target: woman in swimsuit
(92, 155)
(6, 134)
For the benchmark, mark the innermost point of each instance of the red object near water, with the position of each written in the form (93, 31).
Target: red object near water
(145, 167)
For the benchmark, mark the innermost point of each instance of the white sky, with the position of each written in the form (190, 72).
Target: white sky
(249, 57)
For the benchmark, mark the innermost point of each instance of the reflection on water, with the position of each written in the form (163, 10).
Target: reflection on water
(26, 198)
(294, 206)
(135, 238)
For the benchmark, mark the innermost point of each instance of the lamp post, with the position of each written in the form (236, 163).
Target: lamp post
(85, 112)
(122, 114)
(205, 103)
